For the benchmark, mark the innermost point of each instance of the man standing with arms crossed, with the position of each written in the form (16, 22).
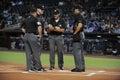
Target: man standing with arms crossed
(77, 41)
(56, 29)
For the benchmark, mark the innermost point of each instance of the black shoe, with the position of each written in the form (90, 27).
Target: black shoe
(52, 67)
(61, 68)
(77, 70)
(41, 70)
(74, 69)
(83, 70)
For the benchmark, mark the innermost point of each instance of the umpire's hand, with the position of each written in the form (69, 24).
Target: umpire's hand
(39, 37)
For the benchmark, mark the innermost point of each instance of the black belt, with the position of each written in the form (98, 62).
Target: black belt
(56, 35)
(32, 33)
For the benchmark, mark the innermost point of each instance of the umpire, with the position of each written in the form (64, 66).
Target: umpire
(56, 29)
(32, 29)
(77, 41)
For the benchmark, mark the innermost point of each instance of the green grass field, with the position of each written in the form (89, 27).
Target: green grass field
(91, 62)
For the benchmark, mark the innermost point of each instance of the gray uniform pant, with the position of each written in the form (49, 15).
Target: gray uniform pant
(78, 55)
(56, 41)
(32, 48)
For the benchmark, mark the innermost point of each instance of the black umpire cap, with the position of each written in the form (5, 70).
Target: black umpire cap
(56, 11)
(40, 7)
(77, 7)
(33, 9)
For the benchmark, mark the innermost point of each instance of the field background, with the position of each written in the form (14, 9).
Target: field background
(92, 62)
(13, 66)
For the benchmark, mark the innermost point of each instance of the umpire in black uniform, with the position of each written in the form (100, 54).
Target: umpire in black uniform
(32, 29)
(77, 41)
(56, 29)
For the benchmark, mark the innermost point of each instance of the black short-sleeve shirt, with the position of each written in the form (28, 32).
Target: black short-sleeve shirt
(78, 19)
(31, 25)
(60, 23)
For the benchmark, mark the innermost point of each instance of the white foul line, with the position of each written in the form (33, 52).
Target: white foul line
(100, 71)
(91, 74)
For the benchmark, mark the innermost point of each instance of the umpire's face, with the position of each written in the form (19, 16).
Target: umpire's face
(34, 14)
(40, 11)
(76, 11)
(57, 16)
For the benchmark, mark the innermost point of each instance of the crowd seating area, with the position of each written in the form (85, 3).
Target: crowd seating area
(102, 17)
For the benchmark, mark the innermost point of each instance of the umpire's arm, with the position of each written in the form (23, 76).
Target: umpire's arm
(39, 31)
(23, 27)
(61, 29)
(78, 28)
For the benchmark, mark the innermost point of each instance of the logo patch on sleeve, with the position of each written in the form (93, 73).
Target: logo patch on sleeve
(38, 23)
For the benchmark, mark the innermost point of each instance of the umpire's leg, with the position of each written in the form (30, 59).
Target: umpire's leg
(60, 48)
(34, 43)
(28, 51)
(52, 50)
(78, 55)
